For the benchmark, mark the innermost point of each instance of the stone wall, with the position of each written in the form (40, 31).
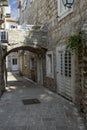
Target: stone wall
(35, 37)
(25, 68)
(2, 70)
(45, 12)
(83, 74)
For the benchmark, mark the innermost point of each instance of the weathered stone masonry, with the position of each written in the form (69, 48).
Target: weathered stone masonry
(46, 13)
(2, 51)
(2, 70)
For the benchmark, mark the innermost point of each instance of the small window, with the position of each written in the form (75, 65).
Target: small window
(32, 63)
(12, 26)
(25, 59)
(4, 36)
(62, 10)
(14, 61)
(61, 60)
(49, 64)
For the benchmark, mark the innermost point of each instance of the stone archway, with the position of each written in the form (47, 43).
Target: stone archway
(40, 51)
(33, 40)
(37, 52)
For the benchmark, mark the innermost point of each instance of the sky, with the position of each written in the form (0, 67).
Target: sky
(13, 4)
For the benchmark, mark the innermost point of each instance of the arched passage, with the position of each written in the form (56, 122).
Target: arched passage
(34, 40)
(37, 74)
(40, 51)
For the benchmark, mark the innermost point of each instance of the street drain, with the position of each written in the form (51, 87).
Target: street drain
(30, 101)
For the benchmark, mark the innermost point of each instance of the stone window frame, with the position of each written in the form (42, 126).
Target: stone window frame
(32, 64)
(48, 72)
(64, 12)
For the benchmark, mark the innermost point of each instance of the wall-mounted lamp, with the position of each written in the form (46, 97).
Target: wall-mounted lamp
(68, 3)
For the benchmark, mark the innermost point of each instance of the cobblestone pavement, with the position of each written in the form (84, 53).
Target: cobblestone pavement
(53, 113)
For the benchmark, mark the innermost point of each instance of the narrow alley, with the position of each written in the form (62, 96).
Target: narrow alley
(52, 112)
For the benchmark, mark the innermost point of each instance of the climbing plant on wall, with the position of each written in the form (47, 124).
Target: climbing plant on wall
(75, 42)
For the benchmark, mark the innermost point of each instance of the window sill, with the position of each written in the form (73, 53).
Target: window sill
(61, 16)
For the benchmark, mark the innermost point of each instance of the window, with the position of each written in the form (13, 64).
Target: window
(67, 64)
(49, 64)
(1, 15)
(12, 26)
(14, 61)
(3, 36)
(61, 62)
(32, 63)
(62, 10)
(25, 59)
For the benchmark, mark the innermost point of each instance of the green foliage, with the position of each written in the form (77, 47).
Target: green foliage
(75, 42)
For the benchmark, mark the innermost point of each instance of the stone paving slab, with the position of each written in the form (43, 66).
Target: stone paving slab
(53, 113)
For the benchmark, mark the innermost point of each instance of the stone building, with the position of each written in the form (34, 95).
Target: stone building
(2, 48)
(27, 64)
(12, 63)
(29, 45)
(62, 72)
